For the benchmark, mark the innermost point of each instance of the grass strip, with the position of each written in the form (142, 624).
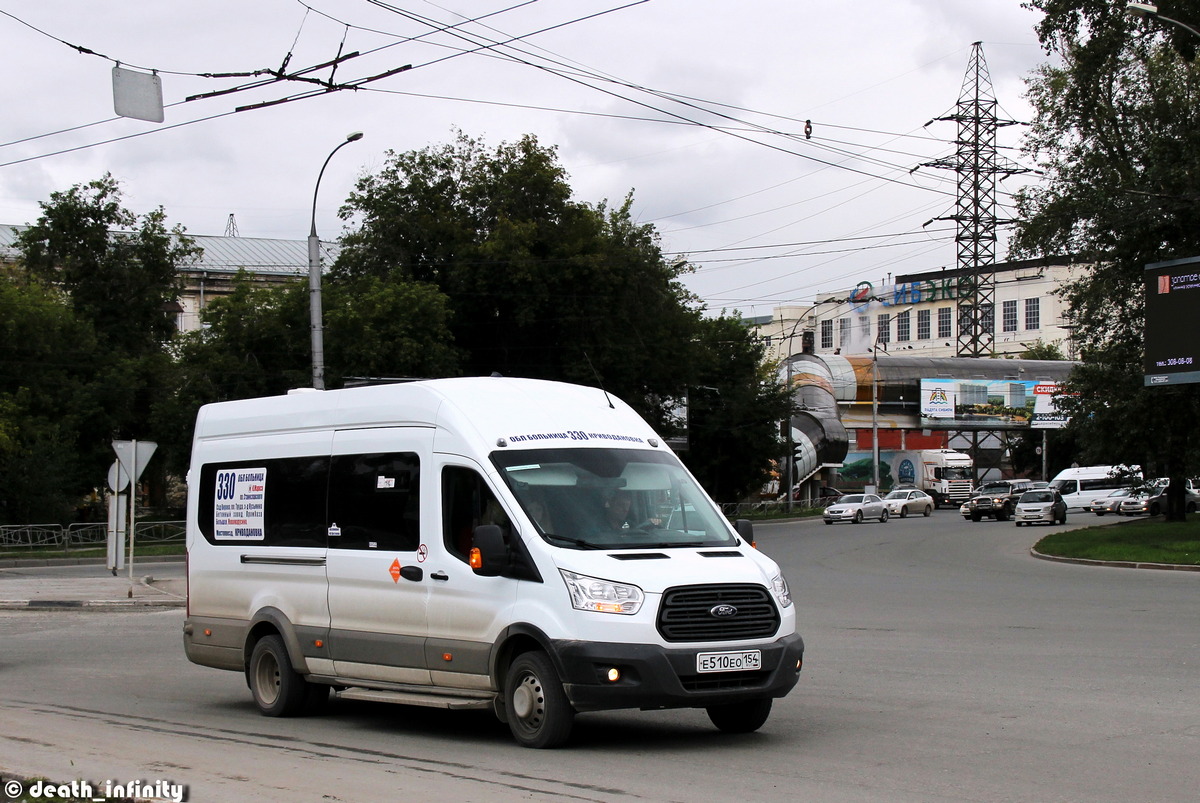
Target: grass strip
(1139, 541)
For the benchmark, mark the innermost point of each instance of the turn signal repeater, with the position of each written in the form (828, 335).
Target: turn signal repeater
(476, 558)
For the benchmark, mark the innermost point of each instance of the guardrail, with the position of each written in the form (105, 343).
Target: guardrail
(84, 536)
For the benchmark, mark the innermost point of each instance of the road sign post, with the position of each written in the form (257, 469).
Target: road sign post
(132, 457)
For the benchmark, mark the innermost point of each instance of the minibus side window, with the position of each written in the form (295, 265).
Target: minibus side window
(293, 501)
(467, 502)
(374, 501)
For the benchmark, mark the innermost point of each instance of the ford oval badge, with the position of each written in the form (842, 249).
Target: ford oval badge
(723, 611)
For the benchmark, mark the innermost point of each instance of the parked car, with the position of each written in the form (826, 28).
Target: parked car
(855, 508)
(1041, 504)
(903, 501)
(997, 499)
(1104, 505)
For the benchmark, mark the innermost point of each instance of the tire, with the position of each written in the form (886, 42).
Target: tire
(883, 517)
(858, 517)
(828, 521)
(1154, 510)
(278, 689)
(928, 511)
(904, 511)
(538, 712)
(976, 517)
(740, 717)
(1020, 523)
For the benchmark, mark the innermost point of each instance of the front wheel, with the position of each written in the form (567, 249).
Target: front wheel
(858, 517)
(884, 515)
(904, 511)
(740, 717)
(928, 511)
(539, 714)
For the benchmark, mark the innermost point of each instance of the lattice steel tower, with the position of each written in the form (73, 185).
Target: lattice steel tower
(978, 167)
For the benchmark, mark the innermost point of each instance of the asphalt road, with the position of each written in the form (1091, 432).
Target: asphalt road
(943, 664)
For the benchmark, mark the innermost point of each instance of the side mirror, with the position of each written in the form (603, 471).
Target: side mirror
(745, 528)
(489, 556)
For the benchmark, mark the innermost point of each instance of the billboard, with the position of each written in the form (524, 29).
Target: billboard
(1172, 326)
(989, 404)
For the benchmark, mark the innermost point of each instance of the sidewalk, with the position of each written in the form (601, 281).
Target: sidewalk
(24, 587)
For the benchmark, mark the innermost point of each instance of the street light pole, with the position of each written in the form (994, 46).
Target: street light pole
(1150, 11)
(314, 277)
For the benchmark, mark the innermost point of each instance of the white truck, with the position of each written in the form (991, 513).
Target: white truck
(944, 474)
(523, 546)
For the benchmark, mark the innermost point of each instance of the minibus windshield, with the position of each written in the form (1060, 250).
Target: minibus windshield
(612, 499)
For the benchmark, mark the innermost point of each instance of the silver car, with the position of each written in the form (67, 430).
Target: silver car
(1111, 503)
(903, 501)
(855, 508)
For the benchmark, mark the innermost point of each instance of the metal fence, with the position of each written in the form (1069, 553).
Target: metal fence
(84, 536)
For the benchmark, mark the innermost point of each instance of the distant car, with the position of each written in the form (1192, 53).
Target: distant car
(855, 508)
(1109, 504)
(1041, 505)
(825, 495)
(903, 501)
(996, 499)
(965, 508)
(1154, 501)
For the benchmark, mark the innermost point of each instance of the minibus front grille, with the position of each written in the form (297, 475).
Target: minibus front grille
(702, 613)
(729, 682)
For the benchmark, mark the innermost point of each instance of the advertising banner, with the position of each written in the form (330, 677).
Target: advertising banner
(989, 404)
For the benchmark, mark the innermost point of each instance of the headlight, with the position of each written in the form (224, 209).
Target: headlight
(602, 596)
(782, 592)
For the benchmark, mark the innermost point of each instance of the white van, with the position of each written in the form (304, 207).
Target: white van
(1080, 486)
(526, 546)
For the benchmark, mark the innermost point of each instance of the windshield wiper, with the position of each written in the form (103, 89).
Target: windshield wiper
(574, 541)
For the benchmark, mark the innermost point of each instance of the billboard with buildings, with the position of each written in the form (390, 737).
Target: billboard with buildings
(989, 404)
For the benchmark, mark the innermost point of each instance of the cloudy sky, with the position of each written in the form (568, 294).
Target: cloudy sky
(697, 107)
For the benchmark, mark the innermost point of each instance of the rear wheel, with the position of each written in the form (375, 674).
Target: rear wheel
(278, 689)
(539, 713)
(740, 717)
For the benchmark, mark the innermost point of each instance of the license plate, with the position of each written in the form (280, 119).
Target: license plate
(743, 661)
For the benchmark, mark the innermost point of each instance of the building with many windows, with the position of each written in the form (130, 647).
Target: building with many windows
(918, 314)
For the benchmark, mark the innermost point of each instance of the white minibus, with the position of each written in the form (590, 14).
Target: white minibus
(1080, 486)
(523, 546)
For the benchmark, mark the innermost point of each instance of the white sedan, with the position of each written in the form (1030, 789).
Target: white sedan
(855, 508)
(908, 500)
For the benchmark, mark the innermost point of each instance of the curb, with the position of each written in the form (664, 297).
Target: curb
(26, 563)
(1115, 564)
(91, 605)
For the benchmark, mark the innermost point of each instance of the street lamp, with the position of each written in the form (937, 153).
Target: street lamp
(1150, 11)
(314, 277)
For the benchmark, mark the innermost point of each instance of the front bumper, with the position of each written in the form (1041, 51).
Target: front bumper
(662, 677)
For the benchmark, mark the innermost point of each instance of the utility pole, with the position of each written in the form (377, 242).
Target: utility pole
(977, 165)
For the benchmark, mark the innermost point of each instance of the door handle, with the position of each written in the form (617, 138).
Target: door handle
(411, 572)
(439, 576)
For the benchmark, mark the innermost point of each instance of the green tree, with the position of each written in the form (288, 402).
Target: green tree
(734, 411)
(115, 278)
(48, 389)
(1117, 134)
(256, 342)
(540, 285)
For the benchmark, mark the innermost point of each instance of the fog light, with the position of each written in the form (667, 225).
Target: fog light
(614, 674)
